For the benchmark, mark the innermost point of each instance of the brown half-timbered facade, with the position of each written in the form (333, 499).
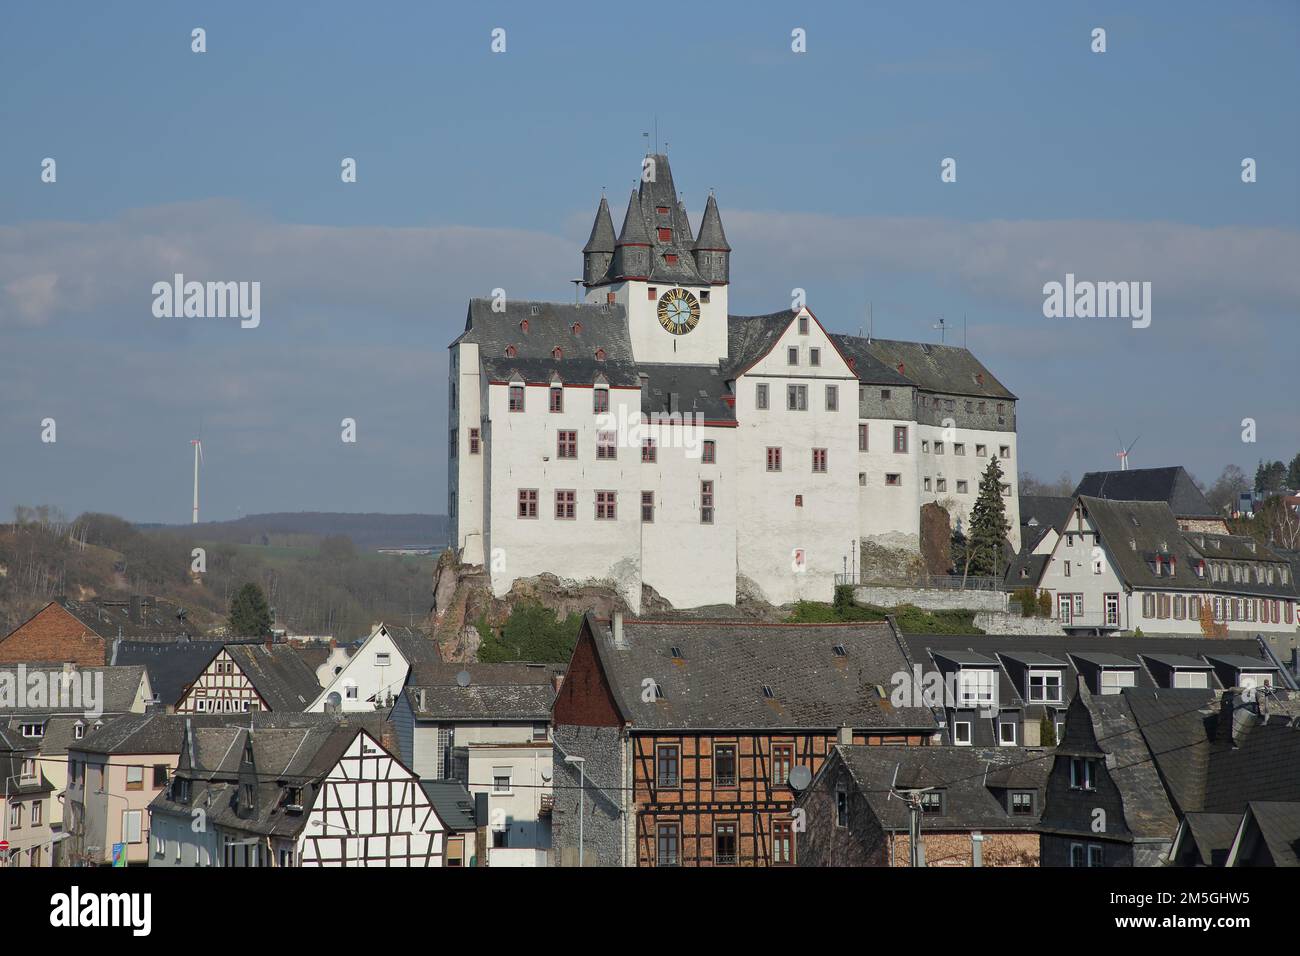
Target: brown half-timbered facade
(695, 737)
(221, 688)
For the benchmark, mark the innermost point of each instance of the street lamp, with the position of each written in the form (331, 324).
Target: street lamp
(582, 799)
(321, 824)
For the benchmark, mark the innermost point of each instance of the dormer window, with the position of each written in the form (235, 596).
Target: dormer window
(523, 326)
(600, 355)
(557, 353)
(577, 328)
(1200, 569)
(511, 351)
(671, 259)
(932, 802)
(665, 235)
(1045, 687)
(975, 687)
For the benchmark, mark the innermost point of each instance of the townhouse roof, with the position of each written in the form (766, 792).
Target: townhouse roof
(868, 367)
(1279, 828)
(454, 803)
(1212, 834)
(150, 733)
(138, 619)
(1172, 485)
(750, 337)
(121, 687)
(1137, 532)
(729, 674)
(508, 691)
(278, 673)
(12, 779)
(172, 666)
(968, 779)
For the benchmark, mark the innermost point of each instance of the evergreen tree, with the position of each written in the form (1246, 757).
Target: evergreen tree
(1047, 732)
(988, 525)
(1293, 472)
(249, 614)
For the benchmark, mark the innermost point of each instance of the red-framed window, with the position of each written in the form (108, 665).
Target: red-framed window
(516, 398)
(606, 505)
(566, 505)
(566, 444)
(528, 502)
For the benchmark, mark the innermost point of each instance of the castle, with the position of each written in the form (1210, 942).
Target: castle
(647, 437)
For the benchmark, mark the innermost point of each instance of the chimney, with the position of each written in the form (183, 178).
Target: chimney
(423, 705)
(844, 736)
(616, 630)
(1234, 713)
(674, 403)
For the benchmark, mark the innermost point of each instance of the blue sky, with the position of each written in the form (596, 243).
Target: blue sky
(478, 170)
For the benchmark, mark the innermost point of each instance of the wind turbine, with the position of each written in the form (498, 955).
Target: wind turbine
(198, 456)
(1122, 454)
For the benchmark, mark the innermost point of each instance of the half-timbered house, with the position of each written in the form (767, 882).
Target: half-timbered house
(682, 743)
(251, 677)
(306, 791)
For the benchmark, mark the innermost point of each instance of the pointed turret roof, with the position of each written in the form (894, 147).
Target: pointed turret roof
(634, 230)
(684, 226)
(711, 235)
(602, 231)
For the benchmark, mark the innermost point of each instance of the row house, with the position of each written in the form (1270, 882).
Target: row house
(25, 826)
(486, 726)
(294, 791)
(1123, 566)
(977, 807)
(72, 703)
(1155, 777)
(83, 632)
(684, 743)
(1016, 691)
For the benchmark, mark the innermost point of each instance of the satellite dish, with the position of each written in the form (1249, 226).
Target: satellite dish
(799, 778)
(333, 702)
(462, 679)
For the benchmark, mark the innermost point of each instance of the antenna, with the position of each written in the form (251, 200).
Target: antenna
(942, 327)
(871, 322)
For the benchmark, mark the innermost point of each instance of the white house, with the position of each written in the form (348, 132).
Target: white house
(374, 675)
(648, 438)
(488, 726)
(1123, 565)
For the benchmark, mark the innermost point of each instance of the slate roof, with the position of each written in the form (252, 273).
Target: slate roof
(1134, 532)
(11, 771)
(641, 224)
(1279, 828)
(278, 674)
(521, 692)
(750, 337)
(152, 733)
(701, 389)
(712, 237)
(120, 687)
(1174, 486)
(157, 621)
(551, 325)
(602, 230)
(1212, 834)
(454, 803)
(869, 369)
(172, 667)
(947, 369)
(969, 779)
(719, 680)
(295, 750)
(416, 646)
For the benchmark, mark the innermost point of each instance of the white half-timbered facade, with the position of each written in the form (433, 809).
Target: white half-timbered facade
(221, 688)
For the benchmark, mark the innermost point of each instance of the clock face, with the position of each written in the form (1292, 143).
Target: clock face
(679, 311)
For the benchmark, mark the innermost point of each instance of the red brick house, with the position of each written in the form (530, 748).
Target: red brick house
(83, 632)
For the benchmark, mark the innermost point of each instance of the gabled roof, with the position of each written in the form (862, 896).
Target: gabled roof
(454, 803)
(1279, 829)
(869, 369)
(121, 687)
(750, 337)
(1135, 532)
(1212, 834)
(968, 779)
(522, 692)
(278, 673)
(416, 645)
(145, 619)
(946, 369)
(720, 678)
(172, 666)
(1174, 486)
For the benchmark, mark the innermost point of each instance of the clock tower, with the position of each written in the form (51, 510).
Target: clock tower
(672, 284)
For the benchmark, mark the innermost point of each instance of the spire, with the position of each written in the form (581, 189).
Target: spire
(683, 227)
(711, 235)
(634, 228)
(602, 231)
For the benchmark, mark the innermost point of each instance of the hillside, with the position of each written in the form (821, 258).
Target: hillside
(368, 532)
